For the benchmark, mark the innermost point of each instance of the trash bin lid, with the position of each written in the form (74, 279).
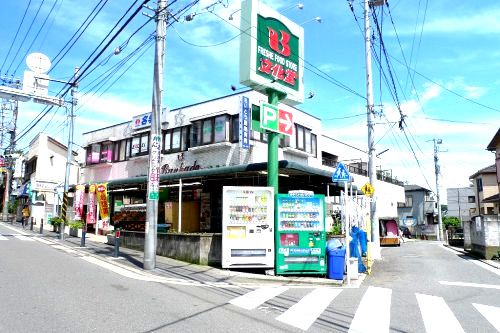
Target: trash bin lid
(333, 244)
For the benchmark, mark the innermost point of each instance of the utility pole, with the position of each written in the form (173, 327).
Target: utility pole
(372, 175)
(8, 163)
(436, 170)
(153, 185)
(69, 158)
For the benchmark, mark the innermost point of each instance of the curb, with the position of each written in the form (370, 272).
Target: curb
(458, 250)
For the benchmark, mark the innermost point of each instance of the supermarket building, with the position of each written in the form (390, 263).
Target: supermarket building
(202, 152)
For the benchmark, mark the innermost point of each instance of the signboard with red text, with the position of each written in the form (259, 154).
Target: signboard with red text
(271, 52)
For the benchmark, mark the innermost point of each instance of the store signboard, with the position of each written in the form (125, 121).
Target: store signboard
(154, 169)
(91, 218)
(245, 124)
(141, 121)
(102, 198)
(79, 200)
(271, 52)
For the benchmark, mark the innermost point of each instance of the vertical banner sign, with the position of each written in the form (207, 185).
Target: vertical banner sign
(271, 51)
(245, 123)
(79, 199)
(154, 171)
(102, 197)
(91, 205)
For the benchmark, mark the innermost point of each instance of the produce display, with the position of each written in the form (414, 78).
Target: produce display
(130, 220)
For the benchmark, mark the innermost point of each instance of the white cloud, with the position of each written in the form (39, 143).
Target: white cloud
(330, 68)
(469, 91)
(113, 108)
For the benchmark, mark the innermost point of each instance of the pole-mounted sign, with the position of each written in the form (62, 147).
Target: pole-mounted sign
(274, 119)
(272, 52)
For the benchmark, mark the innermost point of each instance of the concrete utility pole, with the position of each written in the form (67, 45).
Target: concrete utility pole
(8, 164)
(69, 157)
(155, 141)
(436, 170)
(372, 175)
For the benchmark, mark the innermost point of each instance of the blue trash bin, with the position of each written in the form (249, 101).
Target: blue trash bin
(335, 261)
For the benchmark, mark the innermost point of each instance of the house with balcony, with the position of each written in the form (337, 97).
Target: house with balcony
(482, 234)
(419, 212)
(206, 146)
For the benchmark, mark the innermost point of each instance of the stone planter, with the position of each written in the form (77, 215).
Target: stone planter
(111, 239)
(75, 232)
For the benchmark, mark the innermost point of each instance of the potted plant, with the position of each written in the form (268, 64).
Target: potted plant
(56, 222)
(75, 228)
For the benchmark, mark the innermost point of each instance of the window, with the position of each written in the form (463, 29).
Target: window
(235, 129)
(207, 134)
(471, 199)
(106, 152)
(93, 153)
(121, 150)
(176, 139)
(409, 201)
(195, 139)
(479, 184)
(140, 145)
(220, 128)
(305, 140)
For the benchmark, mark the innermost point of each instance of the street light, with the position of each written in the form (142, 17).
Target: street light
(317, 19)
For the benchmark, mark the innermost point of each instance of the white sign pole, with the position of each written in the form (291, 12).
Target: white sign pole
(347, 227)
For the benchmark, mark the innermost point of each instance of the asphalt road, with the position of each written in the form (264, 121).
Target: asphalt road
(48, 286)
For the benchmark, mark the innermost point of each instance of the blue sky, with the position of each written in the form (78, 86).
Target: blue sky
(444, 59)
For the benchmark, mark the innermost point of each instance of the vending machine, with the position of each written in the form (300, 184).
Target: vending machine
(248, 227)
(300, 236)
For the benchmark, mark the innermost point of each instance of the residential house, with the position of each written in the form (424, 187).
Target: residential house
(482, 234)
(419, 211)
(461, 201)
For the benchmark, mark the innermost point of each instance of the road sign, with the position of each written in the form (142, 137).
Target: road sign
(274, 119)
(367, 189)
(341, 174)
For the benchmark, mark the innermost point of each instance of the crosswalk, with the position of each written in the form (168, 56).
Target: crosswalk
(372, 313)
(5, 237)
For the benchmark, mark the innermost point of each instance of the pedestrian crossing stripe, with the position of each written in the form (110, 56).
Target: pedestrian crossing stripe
(372, 313)
(491, 313)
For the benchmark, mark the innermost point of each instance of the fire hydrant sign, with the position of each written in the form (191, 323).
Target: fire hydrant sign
(274, 119)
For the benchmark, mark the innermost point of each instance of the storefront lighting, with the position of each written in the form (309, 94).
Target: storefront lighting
(124, 189)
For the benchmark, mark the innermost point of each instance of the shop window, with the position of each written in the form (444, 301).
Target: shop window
(140, 144)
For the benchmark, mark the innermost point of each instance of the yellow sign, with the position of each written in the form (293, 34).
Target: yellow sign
(367, 189)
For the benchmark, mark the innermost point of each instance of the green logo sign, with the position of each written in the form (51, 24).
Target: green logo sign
(277, 53)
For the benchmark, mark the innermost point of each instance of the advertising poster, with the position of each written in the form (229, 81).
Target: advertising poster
(91, 211)
(102, 198)
(79, 199)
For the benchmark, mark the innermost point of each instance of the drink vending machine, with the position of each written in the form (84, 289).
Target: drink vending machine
(301, 236)
(247, 227)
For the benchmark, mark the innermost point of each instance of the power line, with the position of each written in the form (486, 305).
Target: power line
(15, 36)
(25, 36)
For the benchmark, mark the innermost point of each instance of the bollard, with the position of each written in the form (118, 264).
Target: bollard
(117, 242)
(24, 221)
(84, 233)
(41, 226)
(31, 227)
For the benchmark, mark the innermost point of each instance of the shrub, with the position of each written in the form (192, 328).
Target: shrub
(451, 221)
(56, 220)
(77, 224)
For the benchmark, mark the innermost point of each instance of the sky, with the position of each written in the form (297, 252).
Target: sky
(443, 56)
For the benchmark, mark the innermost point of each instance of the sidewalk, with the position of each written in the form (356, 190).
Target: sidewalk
(95, 246)
(492, 263)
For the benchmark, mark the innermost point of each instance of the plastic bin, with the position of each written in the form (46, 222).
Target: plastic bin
(335, 263)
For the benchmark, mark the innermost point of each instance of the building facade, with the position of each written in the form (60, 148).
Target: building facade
(461, 202)
(209, 145)
(419, 211)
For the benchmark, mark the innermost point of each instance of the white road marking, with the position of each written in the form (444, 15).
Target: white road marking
(309, 308)
(437, 316)
(470, 284)
(24, 238)
(63, 248)
(491, 313)
(257, 297)
(3, 238)
(374, 312)
(44, 241)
